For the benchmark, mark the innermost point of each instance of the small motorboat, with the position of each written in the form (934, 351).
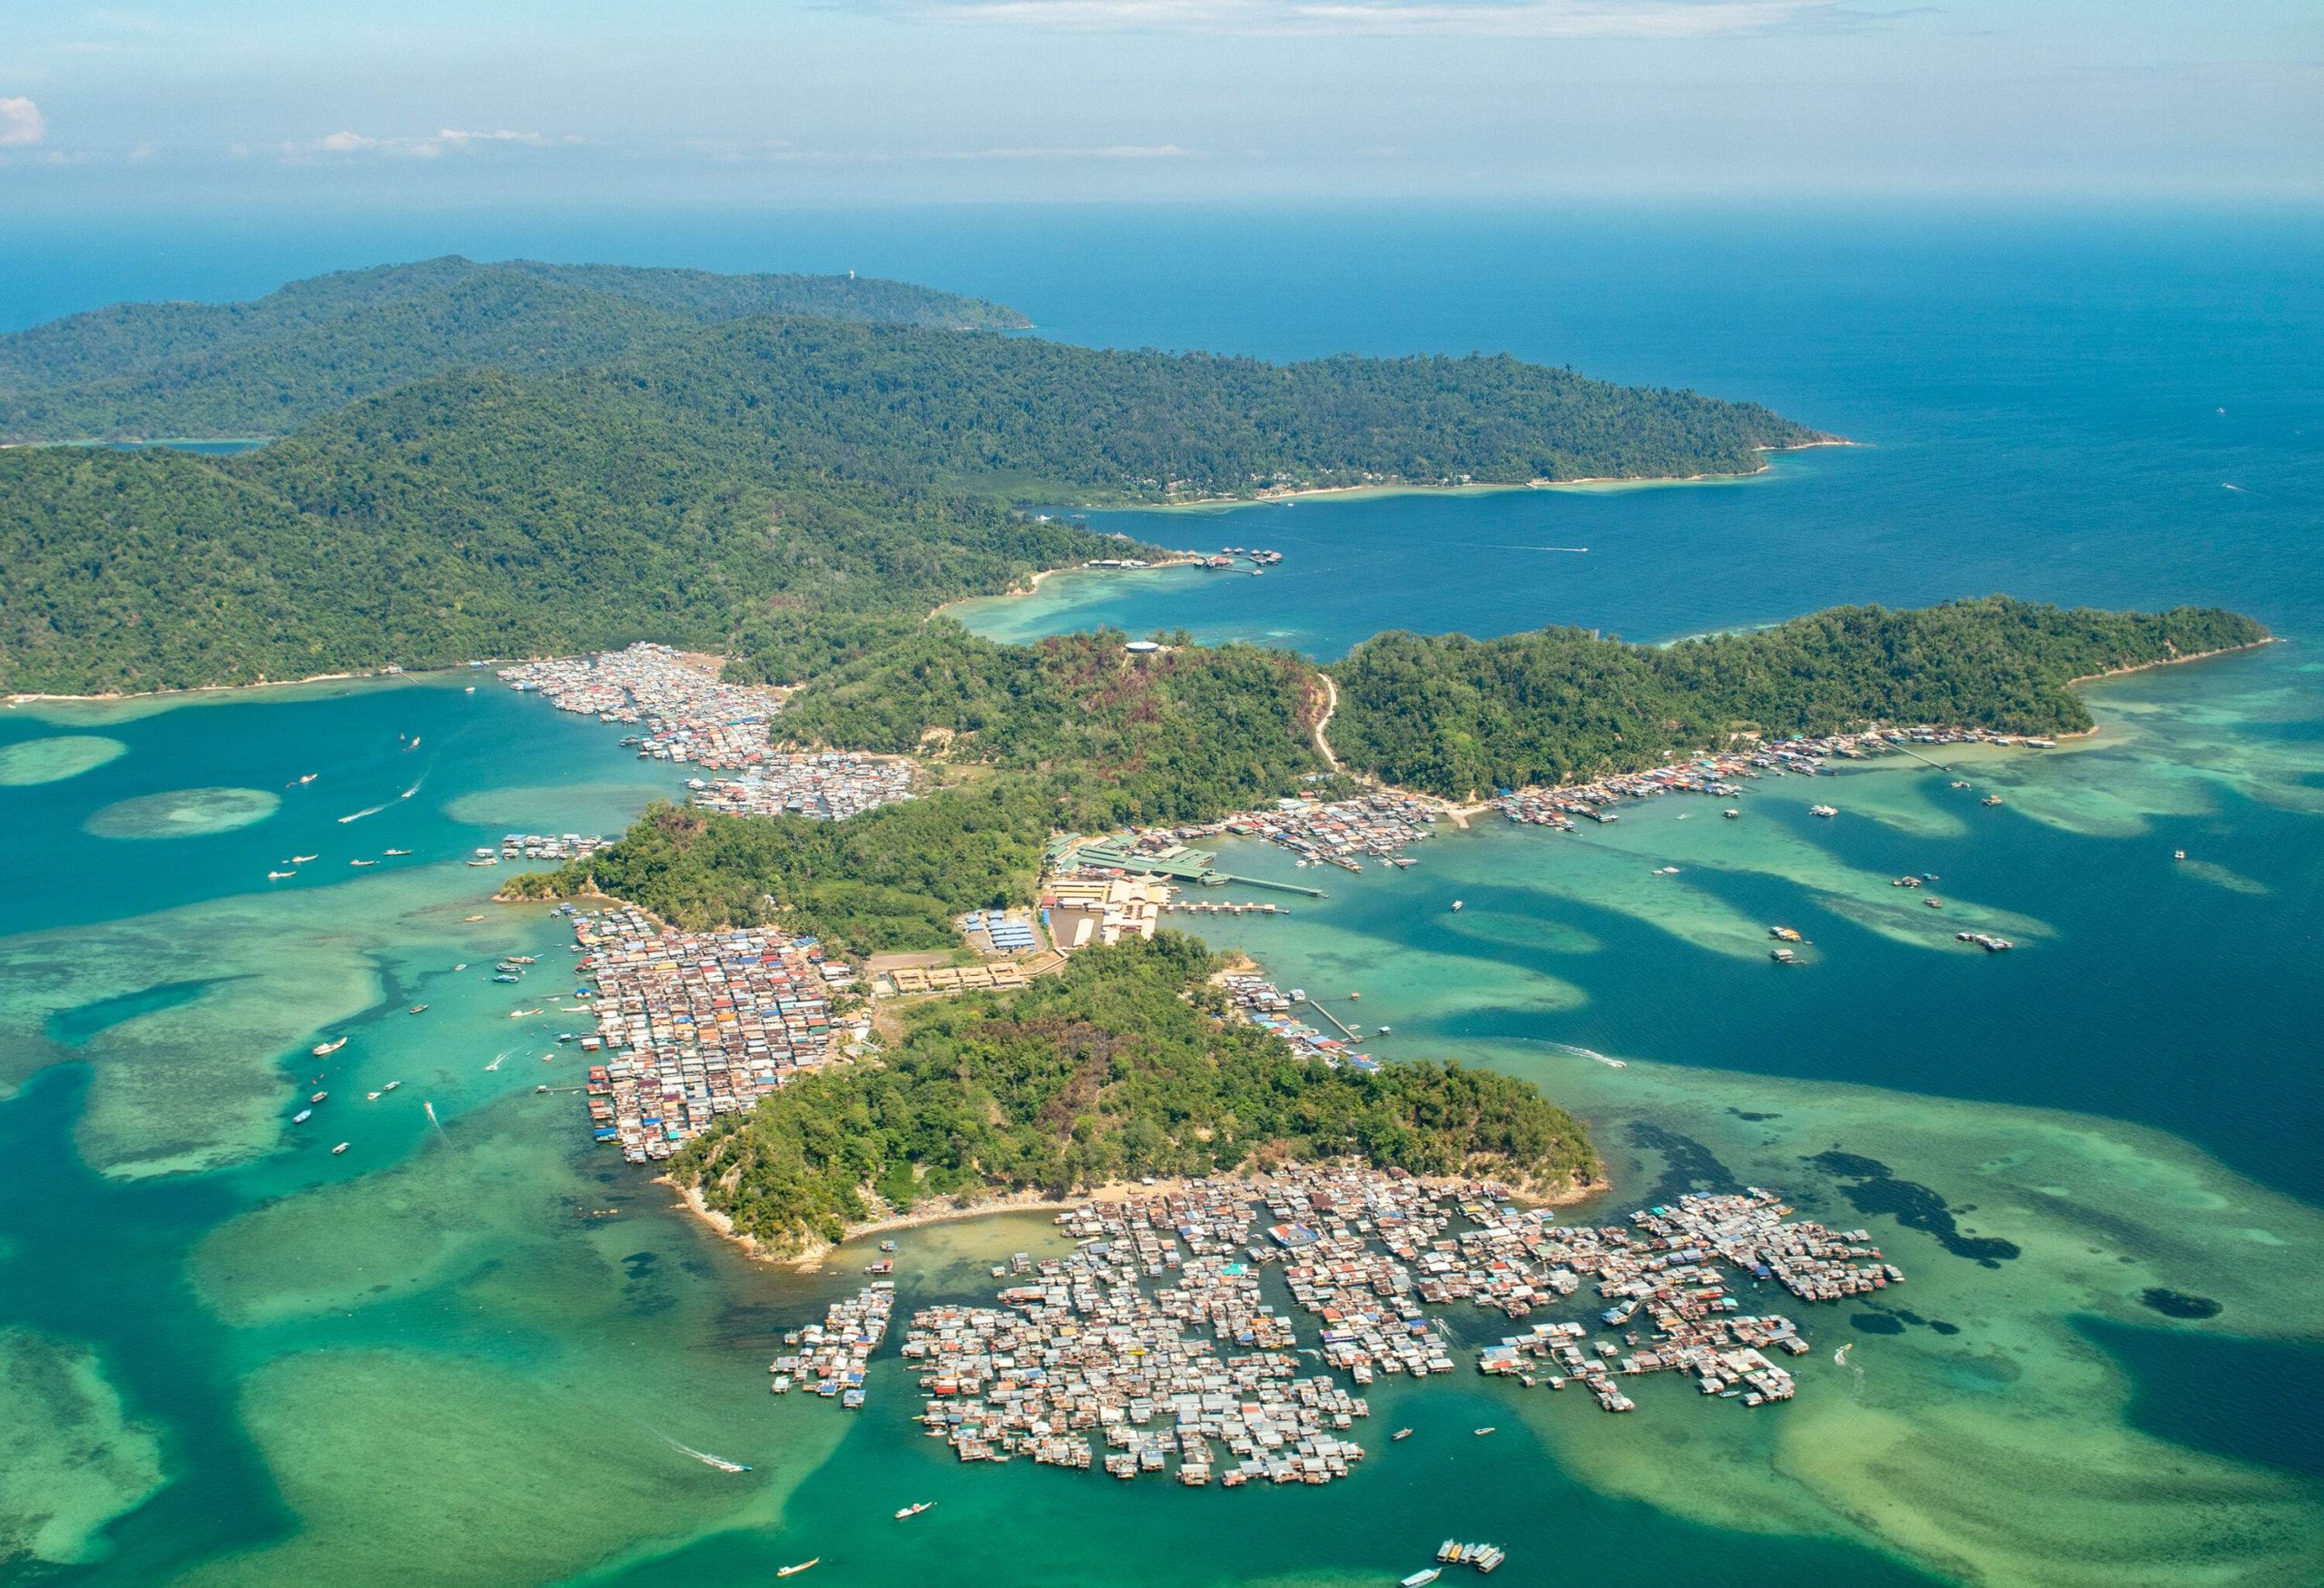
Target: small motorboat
(1456, 905)
(303, 1116)
(318, 1097)
(391, 1086)
(913, 1510)
(277, 876)
(303, 858)
(338, 1150)
(325, 1049)
(370, 1097)
(1421, 1579)
(420, 1009)
(794, 1571)
(1481, 1433)
(1402, 1434)
(395, 852)
(362, 863)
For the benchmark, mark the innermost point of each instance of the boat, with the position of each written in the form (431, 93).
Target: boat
(303, 1116)
(1402, 1434)
(1456, 905)
(460, 967)
(1786, 934)
(396, 852)
(1989, 800)
(318, 1097)
(303, 858)
(309, 778)
(794, 1571)
(325, 1049)
(2175, 854)
(1834, 809)
(370, 1097)
(362, 863)
(1841, 1356)
(914, 1510)
(1420, 1579)
(277, 876)
(420, 1009)
(338, 1150)
(391, 1086)
(1730, 814)
(1481, 1433)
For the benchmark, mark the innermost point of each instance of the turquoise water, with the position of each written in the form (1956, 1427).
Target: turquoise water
(460, 1355)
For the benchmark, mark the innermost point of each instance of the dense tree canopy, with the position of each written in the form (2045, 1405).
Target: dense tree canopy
(1184, 734)
(893, 878)
(267, 366)
(1122, 1066)
(1454, 716)
(520, 458)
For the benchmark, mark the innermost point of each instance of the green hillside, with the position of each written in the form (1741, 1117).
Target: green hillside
(265, 367)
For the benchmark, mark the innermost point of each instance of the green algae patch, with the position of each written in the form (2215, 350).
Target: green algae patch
(185, 812)
(55, 759)
(73, 1459)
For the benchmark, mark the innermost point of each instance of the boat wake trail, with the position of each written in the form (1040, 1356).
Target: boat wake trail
(413, 789)
(1579, 1052)
(434, 1121)
(359, 815)
(720, 1462)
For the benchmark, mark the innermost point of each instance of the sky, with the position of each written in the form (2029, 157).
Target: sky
(876, 102)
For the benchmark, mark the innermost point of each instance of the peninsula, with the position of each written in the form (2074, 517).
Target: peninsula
(537, 460)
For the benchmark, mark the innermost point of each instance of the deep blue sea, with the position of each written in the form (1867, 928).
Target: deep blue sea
(459, 1354)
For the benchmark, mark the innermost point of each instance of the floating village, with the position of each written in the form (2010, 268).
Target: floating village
(693, 1025)
(687, 713)
(829, 786)
(1182, 1334)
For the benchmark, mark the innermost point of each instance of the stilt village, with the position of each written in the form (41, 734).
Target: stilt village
(693, 1025)
(1161, 1340)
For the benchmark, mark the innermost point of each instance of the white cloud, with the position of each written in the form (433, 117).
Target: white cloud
(429, 147)
(21, 123)
(1493, 18)
(1109, 152)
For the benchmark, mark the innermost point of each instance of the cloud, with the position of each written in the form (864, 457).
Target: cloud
(1650, 19)
(1109, 152)
(430, 147)
(21, 123)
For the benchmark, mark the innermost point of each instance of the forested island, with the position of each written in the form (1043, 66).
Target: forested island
(531, 459)
(1072, 733)
(1456, 716)
(1125, 1064)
